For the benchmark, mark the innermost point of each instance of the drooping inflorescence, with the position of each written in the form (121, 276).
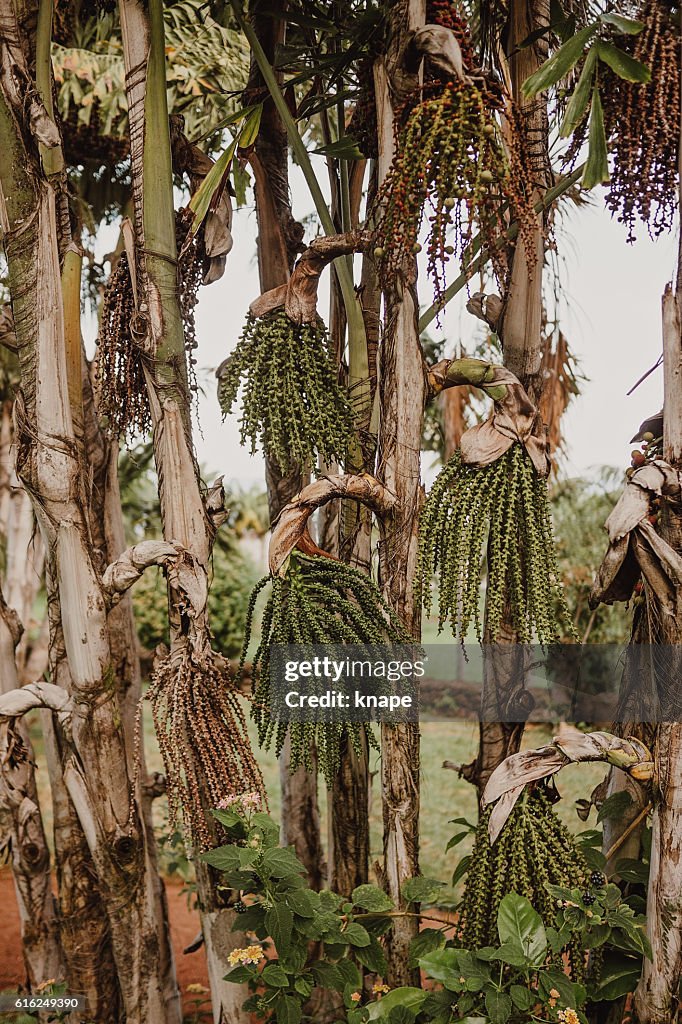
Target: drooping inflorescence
(318, 600)
(292, 402)
(450, 167)
(500, 512)
(533, 850)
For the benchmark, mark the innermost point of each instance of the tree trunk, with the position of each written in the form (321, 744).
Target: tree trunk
(520, 331)
(657, 996)
(279, 237)
(30, 854)
(402, 399)
(95, 770)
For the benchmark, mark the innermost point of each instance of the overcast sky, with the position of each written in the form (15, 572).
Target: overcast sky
(612, 320)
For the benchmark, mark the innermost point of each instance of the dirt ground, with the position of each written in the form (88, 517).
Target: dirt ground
(184, 922)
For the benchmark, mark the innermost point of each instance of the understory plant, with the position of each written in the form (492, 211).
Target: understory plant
(499, 512)
(292, 403)
(315, 600)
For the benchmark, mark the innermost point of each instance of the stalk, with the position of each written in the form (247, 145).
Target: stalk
(52, 159)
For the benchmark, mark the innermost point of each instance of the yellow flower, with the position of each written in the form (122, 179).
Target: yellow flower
(569, 1016)
(196, 989)
(356, 997)
(249, 955)
(44, 984)
(380, 988)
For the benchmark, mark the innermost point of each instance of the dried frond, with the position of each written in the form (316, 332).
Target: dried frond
(560, 385)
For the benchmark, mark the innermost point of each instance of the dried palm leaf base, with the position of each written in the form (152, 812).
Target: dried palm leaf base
(501, 510)
(317, 600)
(533, 850)
(292, 403)
(202, 733)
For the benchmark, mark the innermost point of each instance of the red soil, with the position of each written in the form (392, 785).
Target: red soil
(191, 968)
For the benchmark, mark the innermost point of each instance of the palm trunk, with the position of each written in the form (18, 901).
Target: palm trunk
(30, 854)
(184, 516)
(521, 334)
(278, 238)
(402, 399)
(95, 770)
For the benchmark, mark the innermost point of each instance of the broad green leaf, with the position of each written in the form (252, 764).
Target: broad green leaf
(619, 975)
(560, 63)
(326, 975)
(279, 862)
(401, 1015)
(442, 965)
(597, 165)
(628, 26)
(224, 858)
(349, 973)
(615, 806)
(249, 132)
(553, 978)
(372, 957)
(356, 935)
(287, 1010)
(275, 976)
(201, 200)
(519, 923)
(631, 870)
(428, 940)
(301, 902)
(513, 953)
(279, 921)
(238, 975)
(578, 102)
(227, 818)
(420, 889)
(406, 996)
(498, 1005)
(371, 898)
(521, 997)
(623, 64)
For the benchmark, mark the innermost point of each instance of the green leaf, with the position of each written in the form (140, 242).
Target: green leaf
(420, 889)
(251, 920)
(401, 1015)
(279, 862)
(619, 975)
(407, 996)
(224, 858)
(615, 806)
(499, 1006)
(345, 148)
(304, 986)
(214, 181)
(456, 840)
(349, 973)
(597, 165)
(623, 64)
(238, 975)
(287, 1010)
(372, 957)
(578, 102)
(265, 823)
(249, 132)
(560, 63)
(512, 953)
(519, 923)
(428, 940)
(275, 976)
(628, 26)
(461, 869)
(356, 935)
(326, 975)
(521, 997)
(227, 818)
(371, 898)
(302, 902)
(631, 870)
(554, 978)
(279, 921)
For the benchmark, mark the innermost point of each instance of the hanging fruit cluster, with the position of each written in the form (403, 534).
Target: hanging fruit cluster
(641, 121)
(533, 850)
(122, 355)
(318, 600)
(501, 510)
(292, 402)
(450, 168)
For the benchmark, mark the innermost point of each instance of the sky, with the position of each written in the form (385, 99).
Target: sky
(611, 317)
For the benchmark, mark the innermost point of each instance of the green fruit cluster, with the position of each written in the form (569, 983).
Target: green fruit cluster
(317, 601)
(292, 403)
(499, 513)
